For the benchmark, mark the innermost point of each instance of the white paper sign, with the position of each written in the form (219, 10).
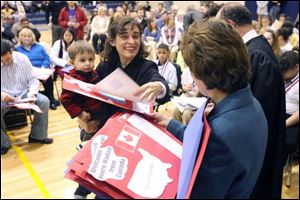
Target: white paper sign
(106, 164)
(150, 176)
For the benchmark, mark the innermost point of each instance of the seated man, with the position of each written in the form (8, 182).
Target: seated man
(16, 78)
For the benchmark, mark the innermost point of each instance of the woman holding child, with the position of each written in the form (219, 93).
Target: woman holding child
(123, 49)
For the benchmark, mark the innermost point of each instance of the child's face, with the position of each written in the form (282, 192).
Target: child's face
(84, 62)
(163, 55)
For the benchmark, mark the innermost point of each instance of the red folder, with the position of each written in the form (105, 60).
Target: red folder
(90, 90)
(136, 158)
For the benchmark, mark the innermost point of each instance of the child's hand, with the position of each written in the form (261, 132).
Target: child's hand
(92, 126)
(84, 116)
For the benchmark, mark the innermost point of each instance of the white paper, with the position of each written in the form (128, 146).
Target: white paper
(25, 106)
(184, 102)
(156, 134)
(141, 107)
(150, 176)
(105, 163)
(118, 83)
(91, 90)
(25, 100)
(42, 73)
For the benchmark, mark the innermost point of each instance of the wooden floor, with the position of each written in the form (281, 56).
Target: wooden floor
(37, 171)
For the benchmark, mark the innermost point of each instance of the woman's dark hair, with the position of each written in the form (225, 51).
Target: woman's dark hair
(73, 32)
(205, 50)
(110, 53)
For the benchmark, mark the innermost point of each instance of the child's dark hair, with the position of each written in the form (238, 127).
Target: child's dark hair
(288, 60)
(163, 46)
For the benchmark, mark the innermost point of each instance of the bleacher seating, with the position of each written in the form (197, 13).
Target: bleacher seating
(37, 18)
(40, 18)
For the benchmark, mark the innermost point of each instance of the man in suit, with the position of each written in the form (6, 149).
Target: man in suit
(267, 86)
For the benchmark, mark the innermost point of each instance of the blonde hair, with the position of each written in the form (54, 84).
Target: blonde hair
(80, 47)
(101, 8)
(25, 31)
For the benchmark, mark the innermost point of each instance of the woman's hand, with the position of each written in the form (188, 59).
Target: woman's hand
(149, 91)
(161, 119)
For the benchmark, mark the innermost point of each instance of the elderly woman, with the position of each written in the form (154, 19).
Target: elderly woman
(38, 58)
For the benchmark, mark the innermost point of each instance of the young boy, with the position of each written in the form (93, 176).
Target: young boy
(87, 110)
(289, 65)
(166, 68)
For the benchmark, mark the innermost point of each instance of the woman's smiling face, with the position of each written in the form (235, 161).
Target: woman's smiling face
(127, 43)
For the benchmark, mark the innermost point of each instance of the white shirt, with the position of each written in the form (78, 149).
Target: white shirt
(168, 71)
(186, 78)
(262, 7)
(54, 54)
(164, 37)
(99, 25)
(286, 47)
(292, 97)
(18, 76)
(250, 35)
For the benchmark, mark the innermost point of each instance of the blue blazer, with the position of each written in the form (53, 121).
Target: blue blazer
(235, 150)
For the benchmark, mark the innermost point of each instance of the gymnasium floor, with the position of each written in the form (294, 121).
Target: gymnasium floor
(36, 171)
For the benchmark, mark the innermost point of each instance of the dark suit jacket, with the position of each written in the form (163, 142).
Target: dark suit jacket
(235, 150)
(267, 86)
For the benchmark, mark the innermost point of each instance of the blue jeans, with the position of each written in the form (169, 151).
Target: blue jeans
(39, 127)
(274, 12)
